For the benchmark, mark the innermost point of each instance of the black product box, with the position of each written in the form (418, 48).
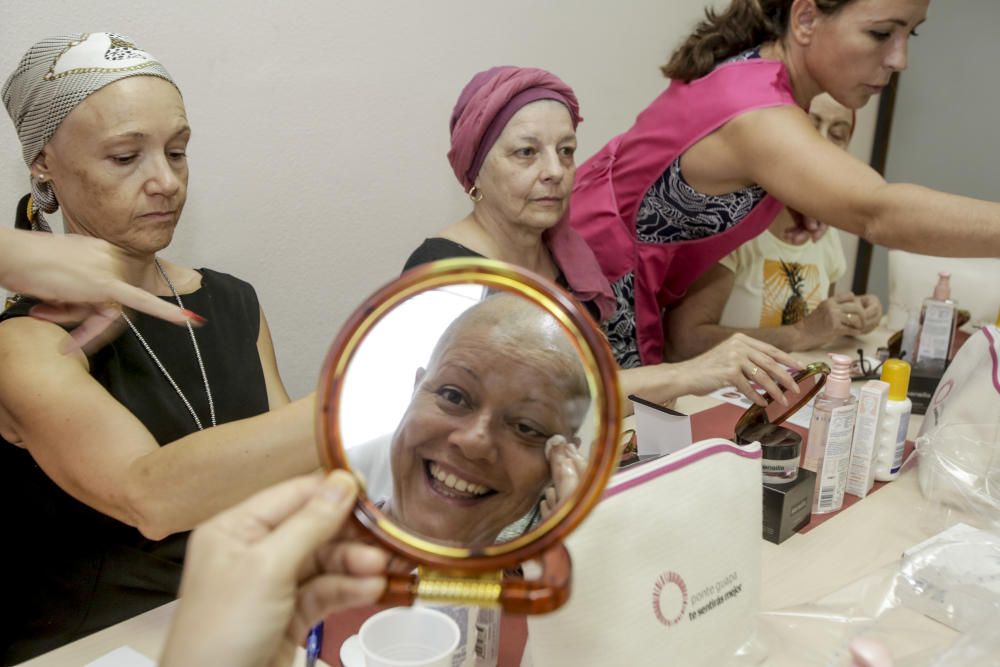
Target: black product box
(923, 383)
(788, 507)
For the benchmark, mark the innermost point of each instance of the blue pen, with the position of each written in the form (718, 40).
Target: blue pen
(314, 644)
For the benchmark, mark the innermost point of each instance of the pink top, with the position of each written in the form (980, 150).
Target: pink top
(611, 185)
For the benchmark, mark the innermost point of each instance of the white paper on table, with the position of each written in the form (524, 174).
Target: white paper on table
(659, 430)
(124, 656)
(732, 395)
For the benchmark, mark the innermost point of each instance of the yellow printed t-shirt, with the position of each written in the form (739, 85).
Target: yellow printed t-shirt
(778, 283)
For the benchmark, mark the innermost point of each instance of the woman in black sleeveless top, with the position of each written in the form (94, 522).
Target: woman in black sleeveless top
(110, 457)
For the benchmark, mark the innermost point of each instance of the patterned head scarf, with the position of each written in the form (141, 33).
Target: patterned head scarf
(486, 105)
(54, 76)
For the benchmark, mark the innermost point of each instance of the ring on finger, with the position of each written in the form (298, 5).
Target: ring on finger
(753, 372)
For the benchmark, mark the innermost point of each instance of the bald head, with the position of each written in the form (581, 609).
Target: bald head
(522, 332)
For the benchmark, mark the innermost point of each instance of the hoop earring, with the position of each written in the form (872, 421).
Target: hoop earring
(475, 194)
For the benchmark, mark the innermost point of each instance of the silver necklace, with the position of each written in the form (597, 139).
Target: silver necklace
(197, 354)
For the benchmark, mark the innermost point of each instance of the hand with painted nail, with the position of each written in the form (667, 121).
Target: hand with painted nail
(260, 574)
(568, 467)
(79, 279)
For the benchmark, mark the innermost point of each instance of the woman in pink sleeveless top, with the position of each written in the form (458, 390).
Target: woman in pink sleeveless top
(708, 164)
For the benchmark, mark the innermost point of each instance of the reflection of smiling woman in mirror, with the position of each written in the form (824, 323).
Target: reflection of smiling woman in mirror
(489, 436)
(109, 457)
(513, 140)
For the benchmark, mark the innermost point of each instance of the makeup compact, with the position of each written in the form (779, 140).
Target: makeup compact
(788, 488)
(477, 403)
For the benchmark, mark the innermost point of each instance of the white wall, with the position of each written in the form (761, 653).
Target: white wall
(321, 127)
(944, 131)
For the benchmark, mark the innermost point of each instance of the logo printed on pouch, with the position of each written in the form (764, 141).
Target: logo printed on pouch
(670, 598)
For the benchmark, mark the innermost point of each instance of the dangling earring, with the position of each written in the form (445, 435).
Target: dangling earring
(475, 194)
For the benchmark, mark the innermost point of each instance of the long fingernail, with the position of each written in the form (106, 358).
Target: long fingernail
(193, 316)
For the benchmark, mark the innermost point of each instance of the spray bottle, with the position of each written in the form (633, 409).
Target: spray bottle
(828, 450)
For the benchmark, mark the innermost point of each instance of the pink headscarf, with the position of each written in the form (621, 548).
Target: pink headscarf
(484, 108)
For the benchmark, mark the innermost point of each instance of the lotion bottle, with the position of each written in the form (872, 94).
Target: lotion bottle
(892, 432)
(828, 451)
(938, 320)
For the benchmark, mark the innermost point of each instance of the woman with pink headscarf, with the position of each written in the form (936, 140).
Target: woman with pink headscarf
(513, 144)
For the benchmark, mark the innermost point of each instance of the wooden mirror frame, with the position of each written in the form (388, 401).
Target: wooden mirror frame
(757, 414)
(476, 574)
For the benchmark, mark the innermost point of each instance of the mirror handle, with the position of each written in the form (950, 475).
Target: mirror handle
(517, 595)
(547, 593)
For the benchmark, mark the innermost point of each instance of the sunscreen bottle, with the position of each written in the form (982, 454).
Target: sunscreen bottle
(828, 451)
(892, 433)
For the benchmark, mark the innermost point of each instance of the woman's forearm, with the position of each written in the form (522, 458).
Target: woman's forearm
(662, 384)
(187, 481)
(703, 337)
(917, 219)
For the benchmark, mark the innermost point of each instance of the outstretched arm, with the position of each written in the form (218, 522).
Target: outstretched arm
(739, 361)
(80, 280)
(779, 149)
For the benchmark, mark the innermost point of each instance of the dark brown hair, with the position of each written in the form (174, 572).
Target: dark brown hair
(741, 26)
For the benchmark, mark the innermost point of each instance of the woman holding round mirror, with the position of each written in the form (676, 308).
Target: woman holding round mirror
(513, 135)
(711, 162)
(110, 456)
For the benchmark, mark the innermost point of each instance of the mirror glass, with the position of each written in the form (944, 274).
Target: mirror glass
(468, 414)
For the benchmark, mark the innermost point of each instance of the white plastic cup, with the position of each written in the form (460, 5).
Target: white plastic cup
(409, 637)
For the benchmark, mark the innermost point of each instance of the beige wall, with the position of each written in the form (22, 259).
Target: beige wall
(320, 127)
(944, 131)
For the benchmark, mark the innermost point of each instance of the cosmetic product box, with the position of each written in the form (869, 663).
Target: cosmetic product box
(788, 507)
(867, 437)
(659, 430)
(924, 380)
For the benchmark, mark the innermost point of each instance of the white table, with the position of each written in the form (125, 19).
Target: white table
(146, 633)
(846, 559)
(858, 548)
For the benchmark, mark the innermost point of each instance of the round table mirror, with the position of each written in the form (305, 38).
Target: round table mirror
(809, 382)
(478, 405)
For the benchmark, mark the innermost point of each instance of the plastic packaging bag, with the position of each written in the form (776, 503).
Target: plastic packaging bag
(959, 466)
